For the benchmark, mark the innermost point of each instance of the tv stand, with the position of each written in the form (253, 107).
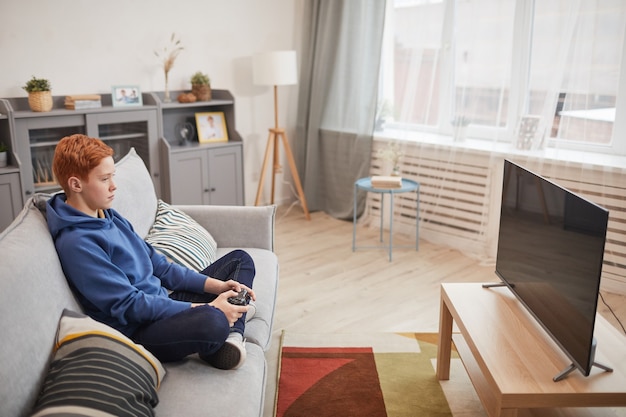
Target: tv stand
(572, 367)
(511, 360)
(494, 285)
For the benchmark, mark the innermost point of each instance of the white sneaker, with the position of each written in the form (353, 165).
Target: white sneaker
(231, 355)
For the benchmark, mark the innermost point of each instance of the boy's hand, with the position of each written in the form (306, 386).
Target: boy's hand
(231, 311)
(237, 286)
(215, 286)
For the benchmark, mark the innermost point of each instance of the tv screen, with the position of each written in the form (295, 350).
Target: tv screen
(550, 253)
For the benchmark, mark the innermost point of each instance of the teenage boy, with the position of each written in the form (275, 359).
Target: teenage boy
(122, 281)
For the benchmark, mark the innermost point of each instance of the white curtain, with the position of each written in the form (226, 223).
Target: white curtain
(468, 83)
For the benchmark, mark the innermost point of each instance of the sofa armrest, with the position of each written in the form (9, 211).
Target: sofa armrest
(236, 226)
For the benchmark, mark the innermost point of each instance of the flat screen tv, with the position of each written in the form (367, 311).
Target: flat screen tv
(550, 254)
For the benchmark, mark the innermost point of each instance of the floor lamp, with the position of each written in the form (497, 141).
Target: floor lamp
(277, 68)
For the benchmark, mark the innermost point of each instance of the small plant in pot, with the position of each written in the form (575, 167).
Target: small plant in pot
(201, 86)
(39, 94)
(392, 153)
(4, 152)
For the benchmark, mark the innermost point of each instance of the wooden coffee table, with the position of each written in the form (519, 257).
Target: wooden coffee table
(511, 360)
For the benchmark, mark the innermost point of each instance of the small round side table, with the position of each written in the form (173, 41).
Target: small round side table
(407, 186)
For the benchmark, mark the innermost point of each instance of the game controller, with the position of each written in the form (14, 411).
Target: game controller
(241, 299)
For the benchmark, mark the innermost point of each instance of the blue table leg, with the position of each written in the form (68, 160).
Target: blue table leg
(382, 213)
(354, 220)
(390, 225)
(417, 219)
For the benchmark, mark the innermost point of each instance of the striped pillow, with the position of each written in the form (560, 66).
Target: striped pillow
(96, 370)
(181, 238)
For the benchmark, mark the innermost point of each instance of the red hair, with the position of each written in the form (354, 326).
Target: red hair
(76, 156)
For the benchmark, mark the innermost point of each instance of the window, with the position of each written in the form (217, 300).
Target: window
(575, 66)
(483, 51)
(415, 66)
(494, 63)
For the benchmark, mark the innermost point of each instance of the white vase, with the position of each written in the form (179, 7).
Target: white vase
(166, 94)
(3, 159)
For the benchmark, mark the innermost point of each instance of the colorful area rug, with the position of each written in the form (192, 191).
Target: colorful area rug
(379, 374)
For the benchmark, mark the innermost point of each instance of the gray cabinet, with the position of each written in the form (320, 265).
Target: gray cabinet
(202, 174)
(10, 198)
(10, 190)
(194, 173)
(36, 136)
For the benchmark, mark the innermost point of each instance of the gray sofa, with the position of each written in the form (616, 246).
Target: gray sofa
(34, 293)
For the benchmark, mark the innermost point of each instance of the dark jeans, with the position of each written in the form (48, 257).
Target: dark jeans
(201, 329)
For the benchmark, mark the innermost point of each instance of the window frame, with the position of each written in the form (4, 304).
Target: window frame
(520, 73)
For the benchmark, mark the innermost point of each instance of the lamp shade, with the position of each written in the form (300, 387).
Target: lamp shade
(275, 68)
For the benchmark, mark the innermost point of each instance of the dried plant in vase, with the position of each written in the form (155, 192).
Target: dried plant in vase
(392, 153)
(168, 55)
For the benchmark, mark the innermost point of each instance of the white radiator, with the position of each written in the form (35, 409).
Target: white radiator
(460, 201)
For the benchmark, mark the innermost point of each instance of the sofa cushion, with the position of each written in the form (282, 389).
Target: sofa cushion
(96, 369)
(181, 238)
(135, 197)
(33, 294)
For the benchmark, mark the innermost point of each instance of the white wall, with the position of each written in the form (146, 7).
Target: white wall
(86, 46)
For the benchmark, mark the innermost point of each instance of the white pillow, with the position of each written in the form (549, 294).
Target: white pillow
(135, 197)
(181, 238)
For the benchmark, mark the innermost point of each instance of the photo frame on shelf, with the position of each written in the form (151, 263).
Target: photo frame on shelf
(211, 127)
(126, 96)
(527, 131)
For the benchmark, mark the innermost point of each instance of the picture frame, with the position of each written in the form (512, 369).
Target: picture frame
(211, 127)
(126, 96)
(527, 131)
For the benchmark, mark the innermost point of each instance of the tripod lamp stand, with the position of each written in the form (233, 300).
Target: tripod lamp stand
(277, 68)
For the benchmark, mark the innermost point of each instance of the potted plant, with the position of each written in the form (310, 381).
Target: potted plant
(39, 94)
(201, 86)
(3, 155)
(392, 153)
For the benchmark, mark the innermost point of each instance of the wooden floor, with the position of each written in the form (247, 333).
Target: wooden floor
(325, 287)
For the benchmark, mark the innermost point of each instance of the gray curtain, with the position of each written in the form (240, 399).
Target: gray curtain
(337, 100)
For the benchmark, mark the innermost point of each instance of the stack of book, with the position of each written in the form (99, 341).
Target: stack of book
(380, 181)
(85, 101)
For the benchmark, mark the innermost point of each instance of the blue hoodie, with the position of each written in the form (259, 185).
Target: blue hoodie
(118, 278)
